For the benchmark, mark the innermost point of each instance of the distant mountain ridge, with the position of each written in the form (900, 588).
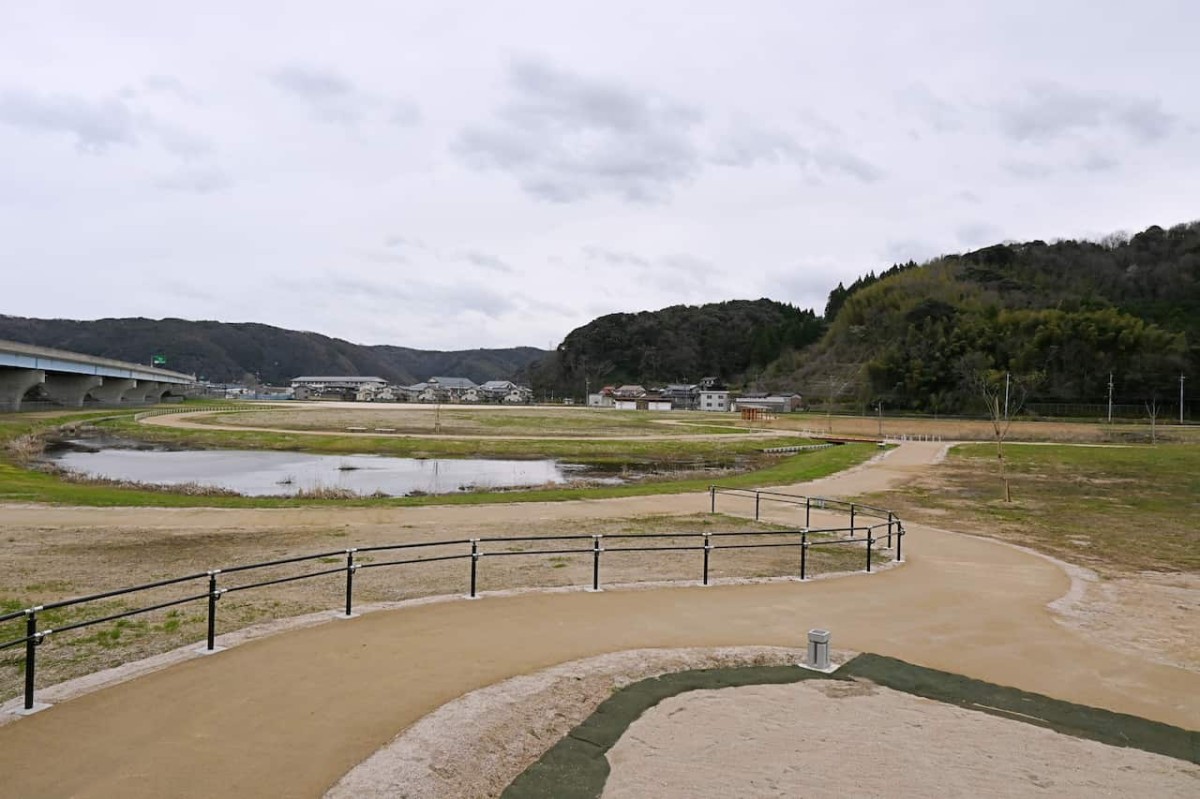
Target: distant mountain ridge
(231, 351)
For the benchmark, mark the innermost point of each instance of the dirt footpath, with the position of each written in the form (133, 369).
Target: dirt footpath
(288, 715)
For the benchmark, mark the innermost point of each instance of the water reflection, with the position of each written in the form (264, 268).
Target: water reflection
(288, 473)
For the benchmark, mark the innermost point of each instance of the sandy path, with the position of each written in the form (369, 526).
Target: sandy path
(288, 715)
(188, 421)
(821, 739)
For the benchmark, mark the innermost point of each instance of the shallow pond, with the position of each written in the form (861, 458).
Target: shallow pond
(286, 473)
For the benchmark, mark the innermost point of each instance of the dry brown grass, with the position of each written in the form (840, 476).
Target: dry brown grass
(981, 429)
(46, 565)
(467, 420)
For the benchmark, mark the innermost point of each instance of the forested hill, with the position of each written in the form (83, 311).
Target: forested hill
(227, 352)
(1067, 314)
(683, 343)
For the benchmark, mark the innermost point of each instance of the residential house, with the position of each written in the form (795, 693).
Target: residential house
(629, 392)
(713, 399)
(646, 402)
(336, 387)
(373, 393)
(776, 403)
(497, 390)
(683, 397)
(520, 395)
(602, 399)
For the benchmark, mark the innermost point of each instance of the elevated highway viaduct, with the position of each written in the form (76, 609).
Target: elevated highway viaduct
(68, 379)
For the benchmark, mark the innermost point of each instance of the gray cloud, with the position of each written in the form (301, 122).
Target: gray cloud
(196, 181)
(180, 142)
(565, 137)
(487, 261)
(95, 125)
(1048, 111)
(613, 257)
(418, 296)
(975, 234)
(939, 114)
(1098, 162)
(98, 125)
(329, 96)
(168, 84)
(750, 147)
(1030, 170)
(903, 250)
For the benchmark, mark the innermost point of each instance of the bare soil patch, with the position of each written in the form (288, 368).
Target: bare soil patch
(814, 739)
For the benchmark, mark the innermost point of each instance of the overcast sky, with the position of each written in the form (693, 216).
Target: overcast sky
(450, 175)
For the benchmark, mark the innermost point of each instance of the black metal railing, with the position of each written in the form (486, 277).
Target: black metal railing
(212, 584)
(856, 510)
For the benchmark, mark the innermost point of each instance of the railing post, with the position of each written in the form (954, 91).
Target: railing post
(32, 639)
(213, 595)
(757, 497)
(474, 564)
(712, 499)
(808, 511)
(350, 569)
(707, 549)
(870, 543)
(803, 555)
(889, 545)
(852, 520)
(596, 550)
(899, 540)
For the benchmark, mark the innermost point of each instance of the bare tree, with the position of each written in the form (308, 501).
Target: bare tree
(837, 382)
(1152, 410)
(1003, 396)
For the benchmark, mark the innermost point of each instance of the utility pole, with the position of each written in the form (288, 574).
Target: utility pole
(1181, 379)
(1110, 387)
(879, 409)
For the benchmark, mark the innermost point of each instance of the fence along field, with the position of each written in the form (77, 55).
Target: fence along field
(160, 614)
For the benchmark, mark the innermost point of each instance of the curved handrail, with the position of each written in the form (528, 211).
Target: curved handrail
(593, 545)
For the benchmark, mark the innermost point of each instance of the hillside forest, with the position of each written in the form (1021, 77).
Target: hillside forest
(1062, 317)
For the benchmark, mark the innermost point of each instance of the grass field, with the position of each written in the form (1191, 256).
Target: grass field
(1114, 509)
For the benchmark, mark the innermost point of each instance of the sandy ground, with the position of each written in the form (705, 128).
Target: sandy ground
(277, 423)
(479, 743)
(825, 739)
(291, 714)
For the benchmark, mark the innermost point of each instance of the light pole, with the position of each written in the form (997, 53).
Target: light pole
(879, 409)
(1181, 379)
(1110, 387)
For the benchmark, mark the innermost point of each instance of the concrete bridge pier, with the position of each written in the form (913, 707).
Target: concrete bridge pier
(14, 382)
(112, 391)
(69, 390)
(147, 391)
